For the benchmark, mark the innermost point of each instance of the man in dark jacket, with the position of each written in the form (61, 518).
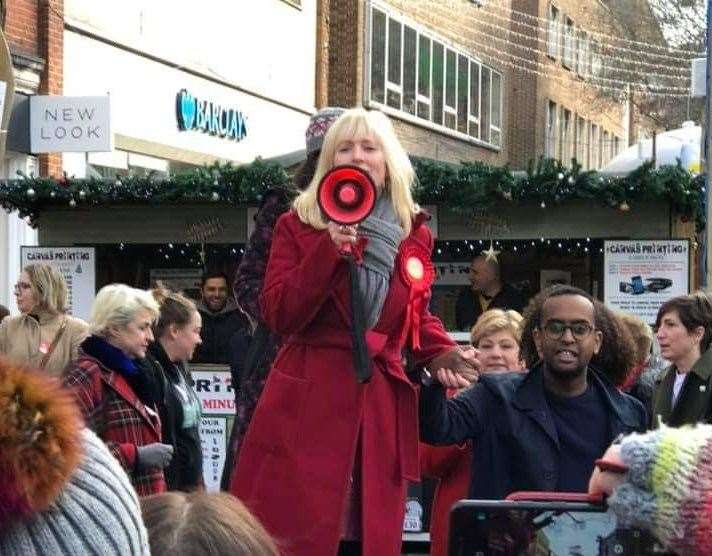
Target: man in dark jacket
(486, 291)
(222, 319)
(542, 430)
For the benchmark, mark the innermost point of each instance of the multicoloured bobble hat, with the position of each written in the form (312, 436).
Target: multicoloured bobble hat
(669, 487)
(61, 490)
(319, 124)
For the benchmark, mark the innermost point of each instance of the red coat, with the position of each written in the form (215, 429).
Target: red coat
(298, 454)
(452, 465)
(117, 416)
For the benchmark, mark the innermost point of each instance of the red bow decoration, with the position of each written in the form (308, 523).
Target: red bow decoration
(417, 272)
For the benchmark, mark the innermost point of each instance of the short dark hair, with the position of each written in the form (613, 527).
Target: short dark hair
(210, 274)
(694, 310)
(4, 311)
(617, 354)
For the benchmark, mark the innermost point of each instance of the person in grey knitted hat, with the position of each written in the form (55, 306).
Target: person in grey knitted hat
(61, 490)
(662, 481)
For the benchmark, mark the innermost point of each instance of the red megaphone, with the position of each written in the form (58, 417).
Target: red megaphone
(346, 195)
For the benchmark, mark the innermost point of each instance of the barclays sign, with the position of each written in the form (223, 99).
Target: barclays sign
(203, 115)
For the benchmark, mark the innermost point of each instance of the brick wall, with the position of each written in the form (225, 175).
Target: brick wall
(36, 28)
(50, 22)
(20, 28)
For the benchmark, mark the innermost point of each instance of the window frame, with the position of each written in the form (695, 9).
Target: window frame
(551, 129)
(553, 32)
(495, 105)
(568, 53)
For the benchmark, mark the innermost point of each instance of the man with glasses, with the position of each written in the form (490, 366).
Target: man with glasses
(542, 430)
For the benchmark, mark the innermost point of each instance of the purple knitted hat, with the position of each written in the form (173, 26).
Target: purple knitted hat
(319, 124)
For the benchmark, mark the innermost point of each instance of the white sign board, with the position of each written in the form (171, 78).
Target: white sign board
(70, 124)
(213, 386)
(76, 264)
(639, 276)
(213, 440)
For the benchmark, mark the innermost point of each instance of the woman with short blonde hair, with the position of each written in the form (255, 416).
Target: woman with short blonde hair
(116, 392)
(43, 335)
(497, 320)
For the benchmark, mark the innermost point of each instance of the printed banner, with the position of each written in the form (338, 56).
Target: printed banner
(639, 276)
(213, 385)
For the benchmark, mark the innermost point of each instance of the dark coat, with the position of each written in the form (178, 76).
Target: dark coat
(512, 428)
(185, 471)
(468, 308)
(694, 404)
(217, 332)
(300, 449)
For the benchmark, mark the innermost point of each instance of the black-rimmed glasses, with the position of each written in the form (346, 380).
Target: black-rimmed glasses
(555, 329)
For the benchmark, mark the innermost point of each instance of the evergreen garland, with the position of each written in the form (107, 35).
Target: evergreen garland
(467, 188)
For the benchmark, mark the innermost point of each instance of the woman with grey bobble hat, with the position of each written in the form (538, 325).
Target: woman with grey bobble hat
(61, 491)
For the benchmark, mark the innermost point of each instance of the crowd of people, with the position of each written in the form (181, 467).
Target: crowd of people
(100, 449)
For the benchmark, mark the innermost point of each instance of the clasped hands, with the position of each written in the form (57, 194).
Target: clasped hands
(456, 368)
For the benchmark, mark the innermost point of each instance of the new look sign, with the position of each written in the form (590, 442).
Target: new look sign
(70, 124)
(209, 117)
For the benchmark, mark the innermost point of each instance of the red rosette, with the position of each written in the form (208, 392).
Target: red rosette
(418, 273)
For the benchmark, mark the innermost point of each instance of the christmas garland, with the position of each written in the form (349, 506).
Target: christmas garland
(467, 188)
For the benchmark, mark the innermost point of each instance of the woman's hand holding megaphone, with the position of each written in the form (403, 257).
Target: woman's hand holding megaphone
(342, 235)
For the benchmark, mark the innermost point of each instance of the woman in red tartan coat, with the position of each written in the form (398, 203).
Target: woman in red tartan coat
(115, 392)
(326, 458)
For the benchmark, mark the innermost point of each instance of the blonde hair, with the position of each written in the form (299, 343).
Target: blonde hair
(358, 122)
(642, 335)
(117, 305)
(497, 320)
(207, 524)
(49, 286)
(175, 308)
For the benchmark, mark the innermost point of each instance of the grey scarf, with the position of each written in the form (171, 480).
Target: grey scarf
(384, 234)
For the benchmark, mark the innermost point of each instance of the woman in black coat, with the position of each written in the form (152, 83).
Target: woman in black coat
(177, 333)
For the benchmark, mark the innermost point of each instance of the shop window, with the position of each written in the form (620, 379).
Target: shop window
(554, 32)
(551, 129)
(569, 57)
(485, 104)
(581, 141)
(565, 137)
(582, 57)
(395, 48)
(496, 109)
(378, 56)
(474, 117)
(451, 90)
(410, 51)
(438, 75)
(463, 66)
(424, 70)
(595, 148)
(606, 148)
(417, 75)
(596, 59)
